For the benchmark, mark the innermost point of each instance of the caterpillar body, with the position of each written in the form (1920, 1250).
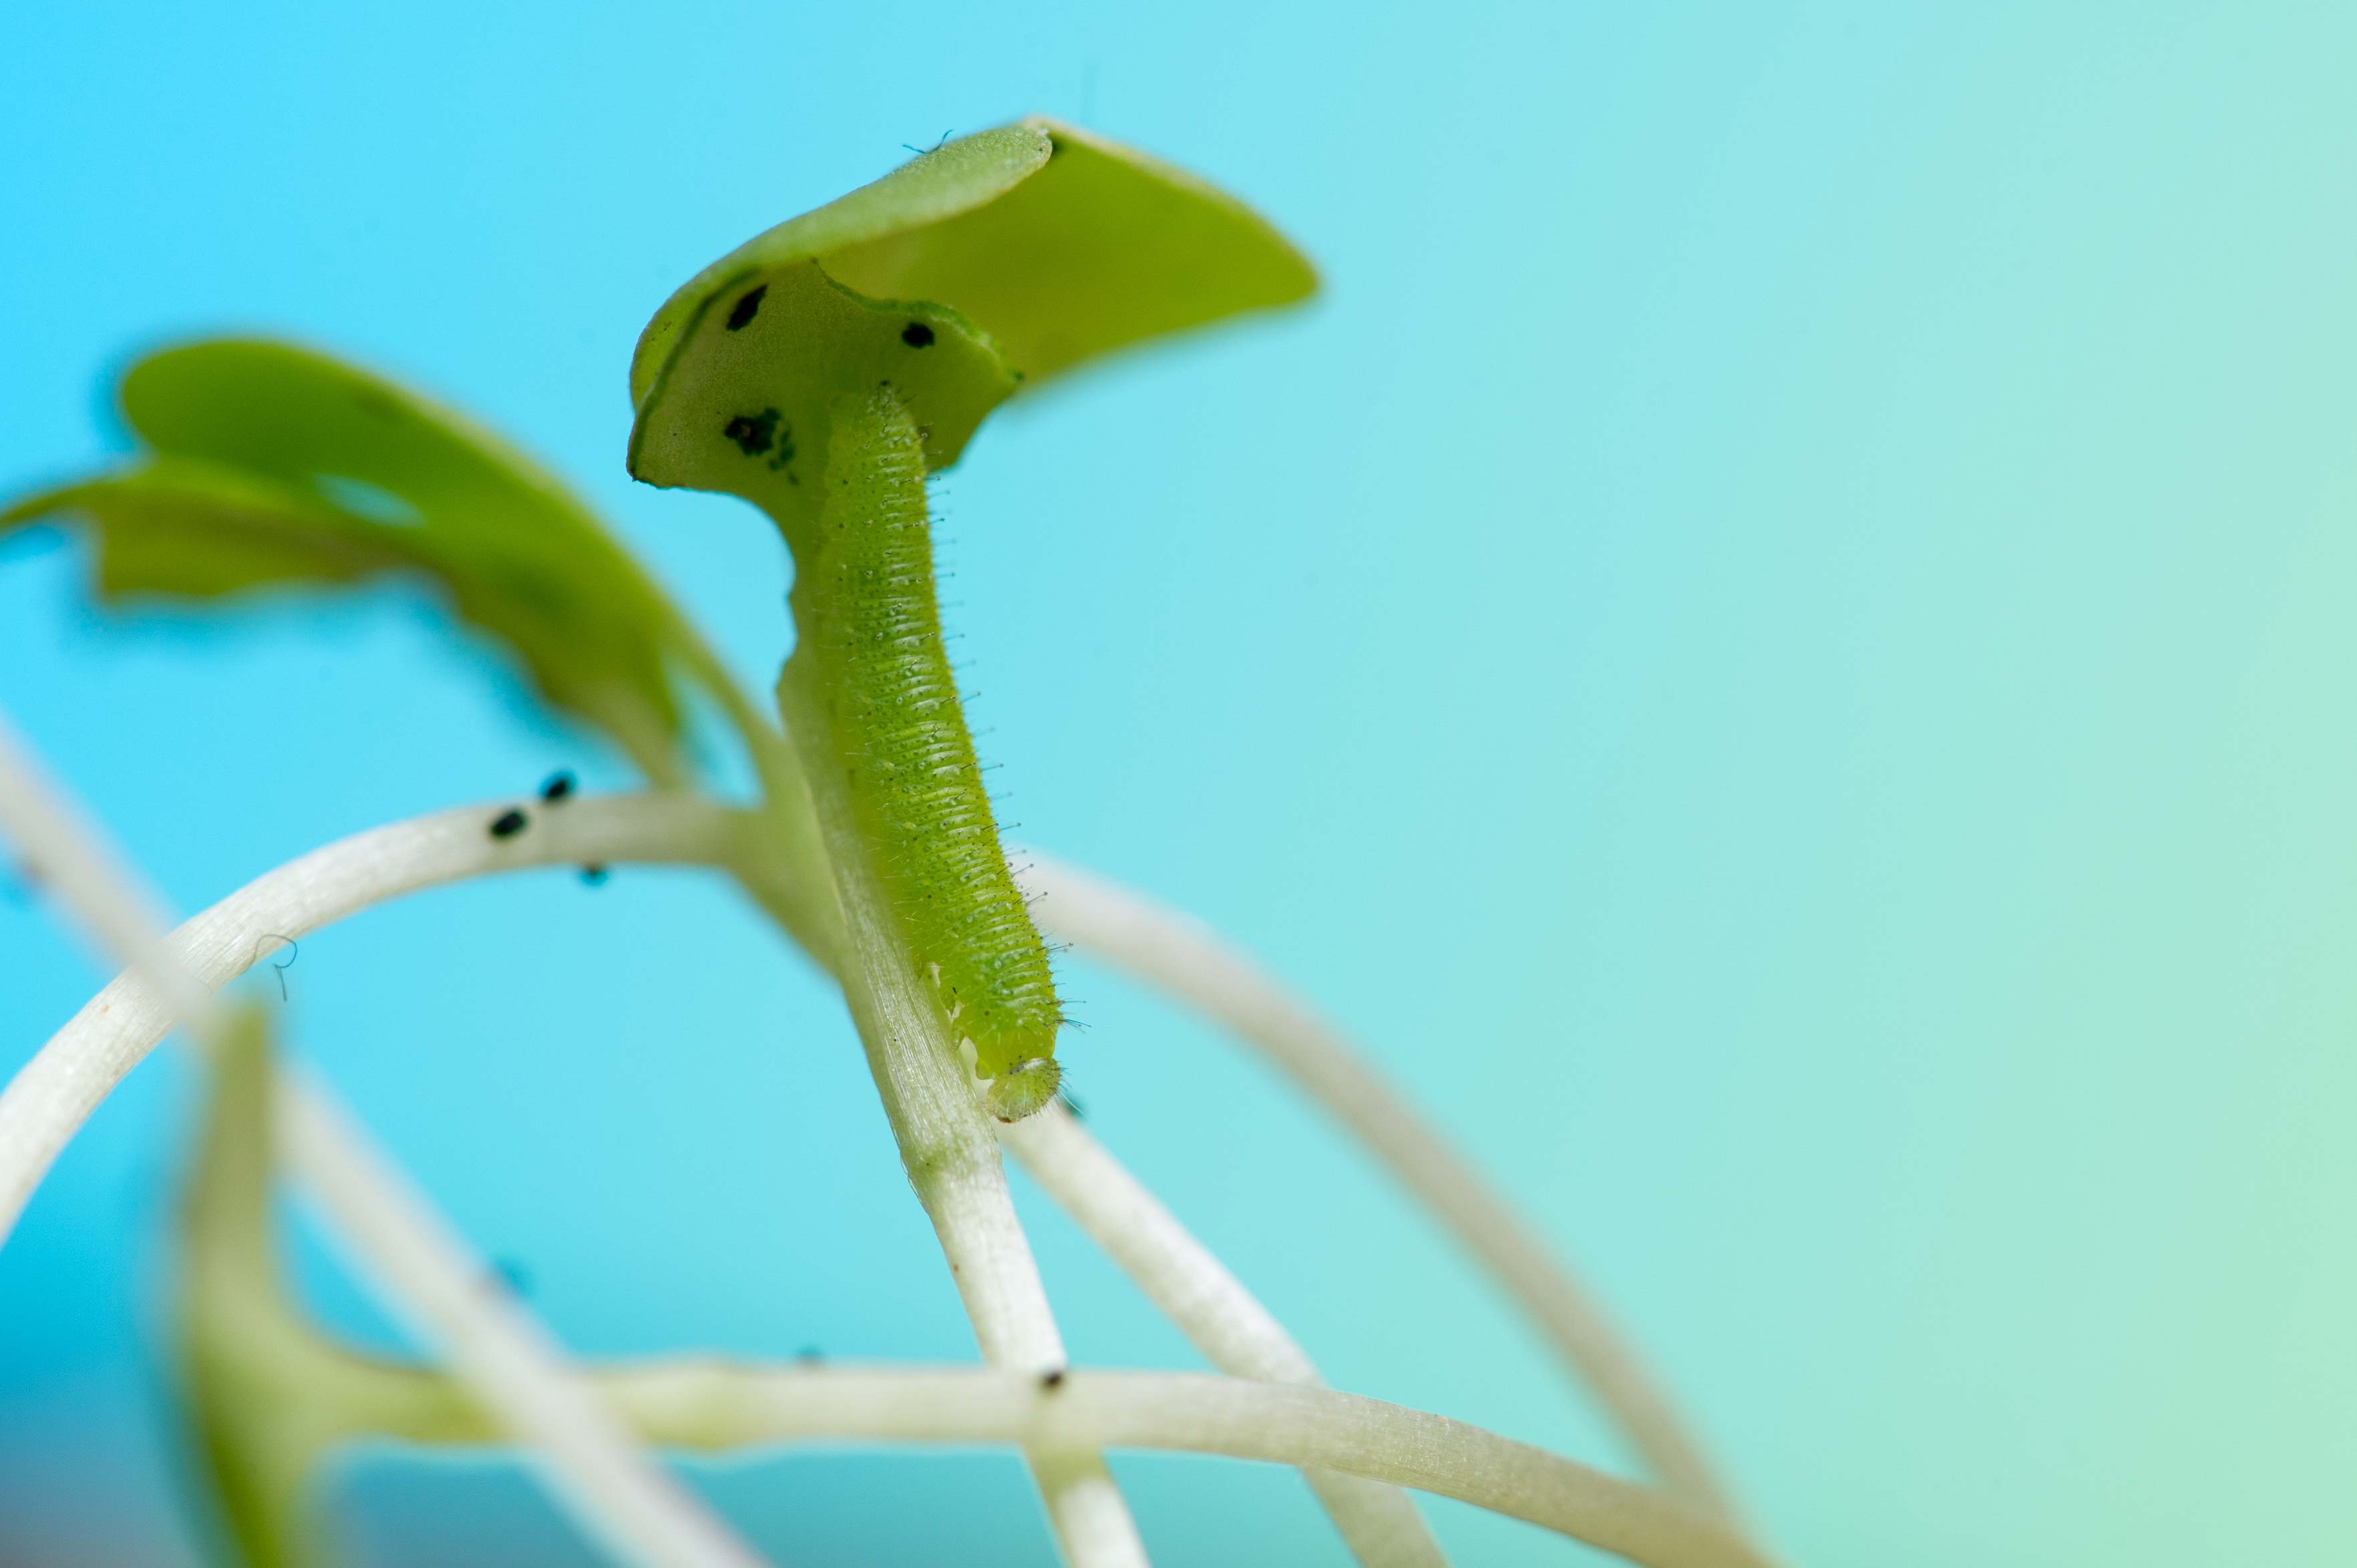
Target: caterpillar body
(922, 817)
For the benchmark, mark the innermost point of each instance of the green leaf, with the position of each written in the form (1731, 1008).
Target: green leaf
(747, 410)
(270, 465)
(956, 178)
(1102, 247)
(250, 1369)
(186, 528)
(269, 1396)
(1022, 251)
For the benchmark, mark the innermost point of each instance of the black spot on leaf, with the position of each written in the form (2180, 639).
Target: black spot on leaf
(508, 823)
(753, 433)
(748, 304)
(917, 335)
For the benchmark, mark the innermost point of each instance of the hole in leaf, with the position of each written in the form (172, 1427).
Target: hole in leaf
(363, 499)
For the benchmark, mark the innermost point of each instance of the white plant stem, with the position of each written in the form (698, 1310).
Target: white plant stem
(1209, 1305)
(64, 853)
(719, 1405)
(123, 1021)
(1184, 959)
(618, 1491)
(51, 1095)
(54, 1093)
(431, 1278)
(952, 1158)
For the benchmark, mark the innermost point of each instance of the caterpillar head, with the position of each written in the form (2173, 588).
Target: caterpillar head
(1025, 1088)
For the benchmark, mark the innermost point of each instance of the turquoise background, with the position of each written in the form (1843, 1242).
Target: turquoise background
(1778, 643)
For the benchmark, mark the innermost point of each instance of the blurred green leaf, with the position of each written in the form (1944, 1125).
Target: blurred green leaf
(271, 466)
(268, 1395)
(255, 1448)
(999, 260)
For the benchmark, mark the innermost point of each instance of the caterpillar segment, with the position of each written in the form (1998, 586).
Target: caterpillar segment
(922, 815)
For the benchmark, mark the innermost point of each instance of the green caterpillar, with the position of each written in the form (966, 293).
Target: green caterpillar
(899, 733)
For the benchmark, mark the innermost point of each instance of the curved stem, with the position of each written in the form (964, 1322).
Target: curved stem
(122, 1023)
(425, 1271)
(1184, 959)
(52, 1095)
(1210, 1306)
(718, 1406)
(1280, 1423)
(617, 1492)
